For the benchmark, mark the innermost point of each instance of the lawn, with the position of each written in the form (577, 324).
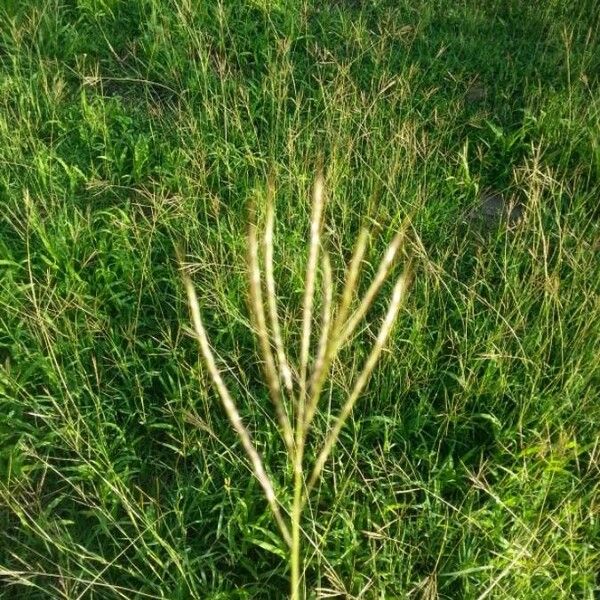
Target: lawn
(136, 136)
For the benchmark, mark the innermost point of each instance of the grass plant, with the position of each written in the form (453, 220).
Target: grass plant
(304, 397)
(466, 467)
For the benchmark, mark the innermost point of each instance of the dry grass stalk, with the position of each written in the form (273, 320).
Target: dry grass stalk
(258, 313)
(284, 368)
(380, 277)
(334, 332)
(309, 283)
(232, 411)
(398, 295)
(300, 433)
(326, 316)
(322, 367)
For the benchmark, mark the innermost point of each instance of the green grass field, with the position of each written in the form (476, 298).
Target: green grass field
(129, 129)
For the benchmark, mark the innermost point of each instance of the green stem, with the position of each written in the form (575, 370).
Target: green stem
(295, 558)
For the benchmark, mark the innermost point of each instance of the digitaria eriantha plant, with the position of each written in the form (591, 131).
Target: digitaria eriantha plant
(295, 392)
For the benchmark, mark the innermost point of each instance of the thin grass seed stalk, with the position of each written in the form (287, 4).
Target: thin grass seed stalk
(296, 401)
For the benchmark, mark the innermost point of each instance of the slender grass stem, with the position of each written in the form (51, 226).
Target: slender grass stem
(284, 368)
(309, 290)
(398, 296)
(258, 314)
(296, 592)
(380, 277)
(232, 411)
(300, 433)
(324, 340)
(322, 366)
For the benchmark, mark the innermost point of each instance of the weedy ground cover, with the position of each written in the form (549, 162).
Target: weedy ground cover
(469, 468)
